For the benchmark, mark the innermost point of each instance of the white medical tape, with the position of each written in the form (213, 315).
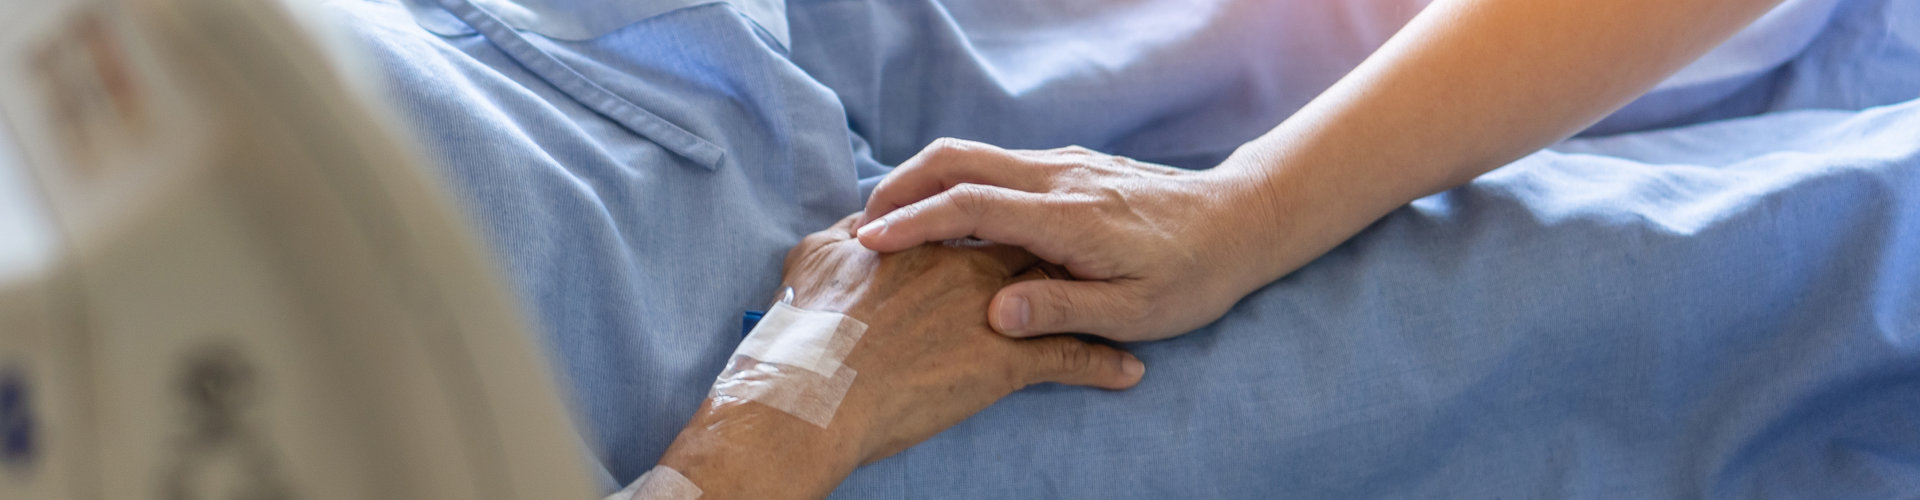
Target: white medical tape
(659, 483)
(814, 340)
(792, 362)
(797, 392)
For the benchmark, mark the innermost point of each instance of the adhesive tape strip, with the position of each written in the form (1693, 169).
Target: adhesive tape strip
(797, 392)
(659, 483)
(792, 361)
(814, 340)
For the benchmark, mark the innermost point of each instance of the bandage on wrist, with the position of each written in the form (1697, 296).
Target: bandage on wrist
(659, 483)
(792, 362)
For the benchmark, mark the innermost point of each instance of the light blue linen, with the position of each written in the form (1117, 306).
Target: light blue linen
(589, 19)
(1183, 82)
(1730, 309)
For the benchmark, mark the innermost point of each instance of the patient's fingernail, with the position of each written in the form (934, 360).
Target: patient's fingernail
(1133, 367)
(876, 227)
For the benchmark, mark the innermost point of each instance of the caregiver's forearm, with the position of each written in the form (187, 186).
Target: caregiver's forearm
(1467, 86)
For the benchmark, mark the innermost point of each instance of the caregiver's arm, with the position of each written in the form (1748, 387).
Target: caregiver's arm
(926, 361)
(1467, 86)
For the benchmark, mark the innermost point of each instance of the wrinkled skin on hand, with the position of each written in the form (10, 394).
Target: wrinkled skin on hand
(929, 359)
(926, 361)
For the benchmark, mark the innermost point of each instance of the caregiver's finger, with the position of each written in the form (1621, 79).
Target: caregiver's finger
(1103, 308)
(990, 213)
(948, 162)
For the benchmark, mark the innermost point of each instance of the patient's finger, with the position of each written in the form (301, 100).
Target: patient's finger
(1032, 308)
(1074, 362)
(1031, 274)
(844, 227)
(991, 213)
(1011, 259)
(839, 231)
(949, 162)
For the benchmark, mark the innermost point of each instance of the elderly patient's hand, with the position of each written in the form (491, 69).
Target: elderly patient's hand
(927, 361)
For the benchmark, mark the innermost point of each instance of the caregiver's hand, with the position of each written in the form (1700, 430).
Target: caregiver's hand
(926, 362)
(1467, 86)
(1157, 250)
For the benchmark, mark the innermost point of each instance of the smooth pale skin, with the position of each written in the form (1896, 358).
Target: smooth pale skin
(1467, 86)
(927, 361)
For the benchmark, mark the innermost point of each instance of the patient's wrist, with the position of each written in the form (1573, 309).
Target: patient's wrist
(747, 450)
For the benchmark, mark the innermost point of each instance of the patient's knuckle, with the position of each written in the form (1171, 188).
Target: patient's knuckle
(794, 254)
(1069, 356)
(1017, 372)
(807, 246)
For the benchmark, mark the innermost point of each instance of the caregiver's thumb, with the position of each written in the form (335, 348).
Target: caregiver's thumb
(1041, 307)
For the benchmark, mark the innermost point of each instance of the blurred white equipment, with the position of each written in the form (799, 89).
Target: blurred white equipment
(221, 276)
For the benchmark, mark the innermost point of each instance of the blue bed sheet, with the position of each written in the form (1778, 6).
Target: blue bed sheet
(1722, 299)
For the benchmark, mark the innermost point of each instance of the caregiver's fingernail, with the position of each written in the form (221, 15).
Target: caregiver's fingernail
(1133, 367)
(876, 227)
(1014, 313)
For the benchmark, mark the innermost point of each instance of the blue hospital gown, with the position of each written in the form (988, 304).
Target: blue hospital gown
(1715, 294)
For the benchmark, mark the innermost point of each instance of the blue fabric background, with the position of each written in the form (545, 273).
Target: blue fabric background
(1723, 304)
